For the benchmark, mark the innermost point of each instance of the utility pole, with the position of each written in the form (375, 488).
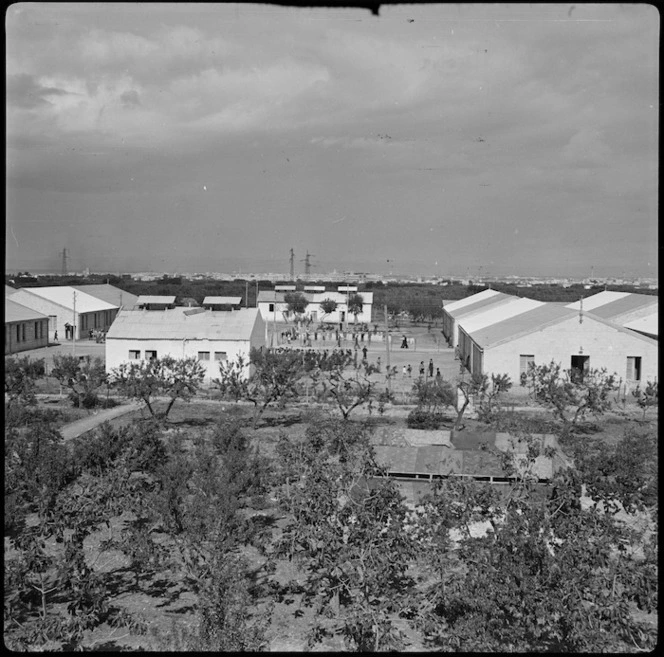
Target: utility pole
(274, 319)
(64, 261)
(387, 349)
(292, 264)
(256, 293)
(73, 342)
(246, 294)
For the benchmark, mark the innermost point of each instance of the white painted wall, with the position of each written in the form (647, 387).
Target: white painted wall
(607, 347)
(117, 351)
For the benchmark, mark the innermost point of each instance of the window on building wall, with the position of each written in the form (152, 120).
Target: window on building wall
(150, 354)
(134, 354)
(203, 355)
(220, 355)
(633, 368)
(524, 362)
(23, 332)
(36, 330)
(18, 333)
(271, 307)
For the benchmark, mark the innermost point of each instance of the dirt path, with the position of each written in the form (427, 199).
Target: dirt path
(86, 424)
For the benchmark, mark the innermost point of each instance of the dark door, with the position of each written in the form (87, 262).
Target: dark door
(580, 365)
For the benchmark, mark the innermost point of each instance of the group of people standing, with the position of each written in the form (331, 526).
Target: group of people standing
(425, 371)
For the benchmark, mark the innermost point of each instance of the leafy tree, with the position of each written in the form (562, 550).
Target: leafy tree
(349, 388)
(647, 397)
(21, 376)
(489, 397)
(570, 397)
(83, 378)
(465, 391)
(433, 394)
(232, 381)
(328, 306)
(274, 378)
(355, 304)
(546, 576)
(349, 531)
(296, 303)
(173, 378)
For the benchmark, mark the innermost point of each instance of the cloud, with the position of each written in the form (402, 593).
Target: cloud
(25, 92)
(130, 98)
(587, 148)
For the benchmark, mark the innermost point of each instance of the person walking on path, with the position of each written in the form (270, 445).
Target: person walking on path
(378, 363)
(404, 342)
(439, 376)
(55, 337)
(410, 371)
(431, 367)
(404, 371)
(421, 368)
(364, 352)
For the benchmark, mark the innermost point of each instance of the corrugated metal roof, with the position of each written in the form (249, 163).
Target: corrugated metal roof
(630, 303)
(599, 299)
(222, 301)
(9, 290)
(110, 294)
(480, 304)
(155, 298)
(473, 298)
(175, 324)
(497, 313)
(610, 305)
(522, 324)
(649, 324)
(64, 296)
(15, 312)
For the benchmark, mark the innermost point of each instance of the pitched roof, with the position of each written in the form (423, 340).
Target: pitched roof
(611, 305)
(222, 301)
(522, 324)
(538, 319)
(184, 323)
(649, 324)
(110, 294)
(15, 312)
(9, 290)
(497, 313)
(473, 298)
(480, 304)
(63, 295)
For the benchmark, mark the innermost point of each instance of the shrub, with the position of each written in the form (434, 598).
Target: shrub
(420, 419)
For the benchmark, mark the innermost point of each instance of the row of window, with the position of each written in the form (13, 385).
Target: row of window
(582, 363)
(135, 354)
(20, 332)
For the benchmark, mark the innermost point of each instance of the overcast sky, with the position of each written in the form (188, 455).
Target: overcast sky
(435, 139)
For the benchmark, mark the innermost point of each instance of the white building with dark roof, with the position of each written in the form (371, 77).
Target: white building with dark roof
(24, 328)
(64, 304)
(210, 336)
(576, 340)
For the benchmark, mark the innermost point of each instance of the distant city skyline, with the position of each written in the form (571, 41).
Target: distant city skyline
(429, 140)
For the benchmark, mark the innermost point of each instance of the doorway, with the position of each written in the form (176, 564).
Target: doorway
(580, 365)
